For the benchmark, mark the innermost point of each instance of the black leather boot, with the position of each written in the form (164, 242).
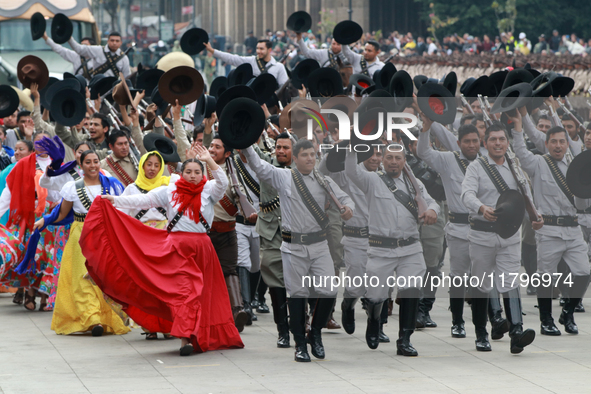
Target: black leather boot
(409, 308)
(244, 277)
(240, 316)
(579, 287)
(372, 332)
(348, 314)
(499, 325)
(479, 311)
(261, 289)
(456, 305)
(297, 325)
(322, 313)
(520, 338)
(279, 305)
(254, 285)
(383, 338)
(428, 299)
(547, 326)
(529, 260)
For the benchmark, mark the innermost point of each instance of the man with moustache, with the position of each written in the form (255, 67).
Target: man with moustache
(393, 241)
(366, 64)
(488, 251)
(355, 237)
(560, 237)
(325, 57)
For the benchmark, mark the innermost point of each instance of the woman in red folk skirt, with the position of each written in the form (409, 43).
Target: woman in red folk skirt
(166, 280)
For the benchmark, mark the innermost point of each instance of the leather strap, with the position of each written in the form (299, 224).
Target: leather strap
(110, 64)
(86, 72)
(225, 202)
(178, 217)
(261, 66)
(559, 178)
(355, 232)
(141, 213)
(247, 179)
(584, 211)
(309, 201)
(74, 174)
(83, 196)
(479, 225)
(363, 64)
(459, 218)
(304, 238)
(561, 221)
(494, 175)
(463, 163)
(124, 176)
(407, 201)
(270, 205)
(242, 220)
(390, 243)
(223, 227)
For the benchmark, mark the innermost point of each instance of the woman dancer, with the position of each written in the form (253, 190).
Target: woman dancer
(80, 305)
(168, 281)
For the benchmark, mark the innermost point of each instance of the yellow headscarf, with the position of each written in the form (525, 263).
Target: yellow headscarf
(157, 181)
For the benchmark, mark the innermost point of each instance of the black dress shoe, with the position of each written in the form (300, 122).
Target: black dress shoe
(521, 340)
(549, 328)
(404, 347)
(97, 331)
(580, 308)
(499, 327)
(301, 354)
(420, 321)
(372, 333)
(186, 350)
(315, 341)
(458, 331)
(429, 323)
(569, 322)
(562, 301)
(283, 337)
(348, 320)
(262, 307)
(482, 343)
(383, 338)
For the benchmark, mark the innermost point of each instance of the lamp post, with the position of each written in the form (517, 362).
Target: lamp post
(350, 10)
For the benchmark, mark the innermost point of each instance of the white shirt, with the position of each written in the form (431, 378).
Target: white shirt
(212, 192)
(152, 214)
(355, 60)
(97, 54)
(273, 67)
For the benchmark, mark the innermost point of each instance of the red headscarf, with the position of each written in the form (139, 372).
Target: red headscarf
(23, 182)
(188, 196)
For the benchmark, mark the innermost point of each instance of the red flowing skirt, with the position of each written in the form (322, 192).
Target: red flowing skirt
(165, 282)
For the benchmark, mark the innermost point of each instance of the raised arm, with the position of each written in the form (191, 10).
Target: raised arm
(350, 55)
(234, 60)
(179, 132)
(66, 54)
(446, 137)
(358, 177)
(310, 53)
(266, 172)
(86, 50)
(426, 152)
(536, 136)
(527, 159)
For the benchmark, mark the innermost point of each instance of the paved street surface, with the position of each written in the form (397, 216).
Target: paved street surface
(33, 359)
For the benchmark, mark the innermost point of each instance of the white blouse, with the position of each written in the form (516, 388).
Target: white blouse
(69, 193)
(152, 214)
(58, 182)
(212, 192)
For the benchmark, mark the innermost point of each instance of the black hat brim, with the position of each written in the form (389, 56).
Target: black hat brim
(542, 84)
(510, 209)
(512, 97)
(240, 75)
(231, 94)
(496, 80)
(347, 32)
(49, 94)
(401, 88)
(361, 82)
(38, 26)
(241, 123)
(218, 86)
(163, 145)
(299, 75)
(101, 86)
(193, 41)
(516, 76)
(148, 79)
(204, 108)
(385, 75)
(68, 107)
(325, 82)
(450, 82)
(181, 83)
(481, 85)
(435, 91)
(263, 86)
(9, 101)
(61, 29)
(562, 86)
(578, 176)
(299, 22)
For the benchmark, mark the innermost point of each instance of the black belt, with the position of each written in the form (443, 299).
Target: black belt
(585, 211)
(242, 220)
(479, 225)
(562, 221)
(303, 239)
(355, 232)
(391, 243)
(79, 217)
(459, 218)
